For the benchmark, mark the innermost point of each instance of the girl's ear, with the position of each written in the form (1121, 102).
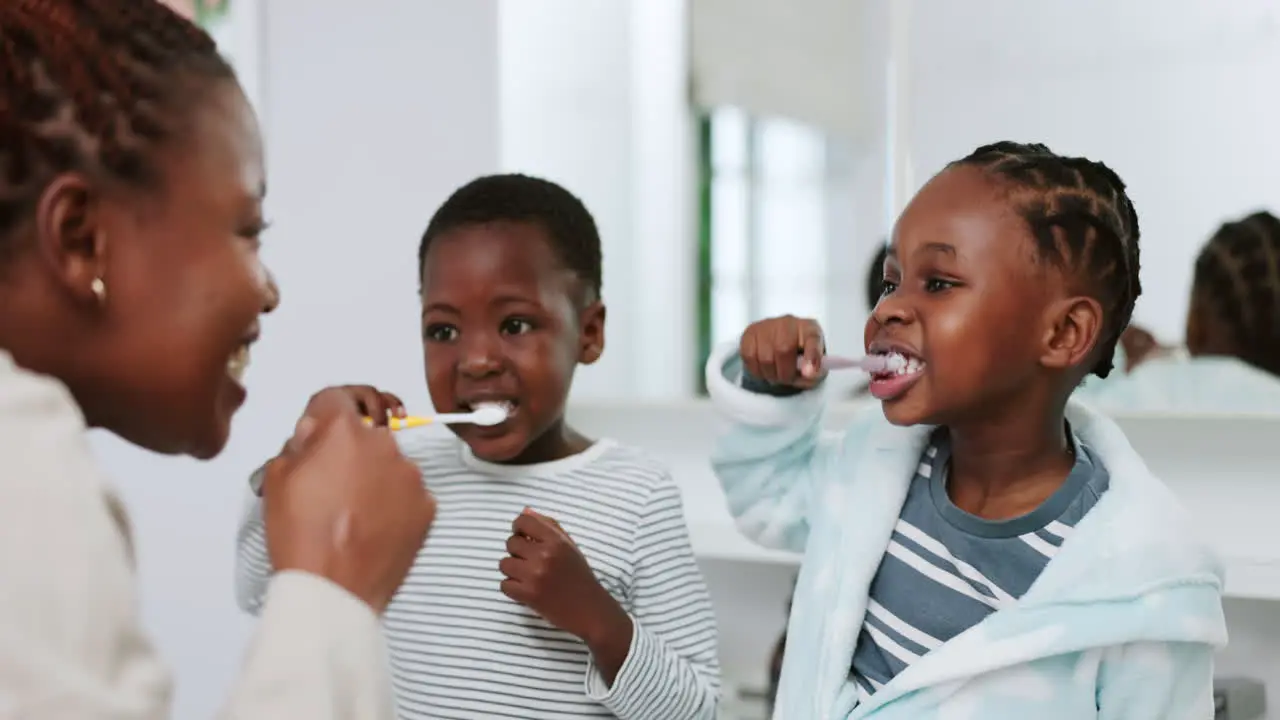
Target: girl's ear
(1071, 332)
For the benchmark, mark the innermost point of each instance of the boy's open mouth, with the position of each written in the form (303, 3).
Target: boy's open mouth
(892, 384)
(508, 405)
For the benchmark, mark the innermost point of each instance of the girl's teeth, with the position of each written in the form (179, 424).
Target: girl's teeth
(906, 365)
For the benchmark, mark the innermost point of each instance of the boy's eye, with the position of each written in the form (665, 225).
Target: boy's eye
(935, 285)
(887, 287)
(516, 326)
(440, 332)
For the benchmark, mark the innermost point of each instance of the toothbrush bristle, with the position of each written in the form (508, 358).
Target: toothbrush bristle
(889, 363)
(488, 414)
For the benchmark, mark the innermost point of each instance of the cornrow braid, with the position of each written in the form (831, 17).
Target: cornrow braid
(90, 86)
(1082, 219)
(1238, 274)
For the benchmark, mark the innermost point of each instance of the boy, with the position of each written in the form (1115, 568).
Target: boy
(992, 551)
(558, 581)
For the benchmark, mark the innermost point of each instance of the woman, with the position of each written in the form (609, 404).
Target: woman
(131, 188)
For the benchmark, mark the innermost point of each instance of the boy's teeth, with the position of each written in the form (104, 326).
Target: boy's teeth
(238, 363)
(506, 405)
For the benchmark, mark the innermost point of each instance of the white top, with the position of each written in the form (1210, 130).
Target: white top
(72, 645)
(462, 649)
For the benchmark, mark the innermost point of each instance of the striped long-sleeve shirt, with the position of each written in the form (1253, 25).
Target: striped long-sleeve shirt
(462, 649)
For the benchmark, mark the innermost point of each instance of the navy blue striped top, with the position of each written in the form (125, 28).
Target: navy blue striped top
(945, 569)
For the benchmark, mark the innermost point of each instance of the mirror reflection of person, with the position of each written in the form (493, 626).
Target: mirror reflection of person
(1231, 359)
(130, 291)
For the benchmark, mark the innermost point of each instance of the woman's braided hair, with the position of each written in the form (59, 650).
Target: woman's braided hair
(90, 86)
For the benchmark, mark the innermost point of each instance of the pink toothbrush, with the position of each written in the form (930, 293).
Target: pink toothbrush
(870, 363)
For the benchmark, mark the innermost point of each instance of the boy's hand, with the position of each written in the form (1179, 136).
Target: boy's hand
(784, 351)
(372, 402)
(545, 571)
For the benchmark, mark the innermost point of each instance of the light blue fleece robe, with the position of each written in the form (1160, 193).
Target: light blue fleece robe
(1122, 624)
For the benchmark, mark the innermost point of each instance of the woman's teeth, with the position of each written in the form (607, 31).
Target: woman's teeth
(238, 363)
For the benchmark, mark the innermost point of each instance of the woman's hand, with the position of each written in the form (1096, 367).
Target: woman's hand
(341, 501)
(372, 402)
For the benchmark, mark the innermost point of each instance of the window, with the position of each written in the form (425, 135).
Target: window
(764, 223)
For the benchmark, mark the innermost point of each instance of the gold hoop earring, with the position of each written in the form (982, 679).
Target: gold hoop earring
(99, 289)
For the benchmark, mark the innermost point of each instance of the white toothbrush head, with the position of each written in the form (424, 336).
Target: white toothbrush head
(488, 414)
(894, 362)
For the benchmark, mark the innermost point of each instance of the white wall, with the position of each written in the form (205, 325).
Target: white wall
(375, 115)
(1178, 97)
(593, 97)
(566, 116)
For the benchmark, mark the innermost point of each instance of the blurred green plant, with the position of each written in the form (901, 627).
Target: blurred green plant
(210, 12)
(705, 280)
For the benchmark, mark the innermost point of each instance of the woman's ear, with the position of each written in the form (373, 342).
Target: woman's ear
(69, 237)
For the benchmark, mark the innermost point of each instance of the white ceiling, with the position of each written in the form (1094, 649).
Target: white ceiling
(1093, 32)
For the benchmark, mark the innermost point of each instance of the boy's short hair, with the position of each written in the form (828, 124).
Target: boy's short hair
(1082, 220)
(875, 275)
(521, 198)
(1238, 275)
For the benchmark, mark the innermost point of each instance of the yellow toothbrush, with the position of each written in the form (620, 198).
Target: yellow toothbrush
(486, 414)
(408, 423)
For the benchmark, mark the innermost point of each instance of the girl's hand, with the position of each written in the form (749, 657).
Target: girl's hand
(784, 351)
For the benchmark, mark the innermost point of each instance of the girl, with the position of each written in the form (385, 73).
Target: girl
(992, 551)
